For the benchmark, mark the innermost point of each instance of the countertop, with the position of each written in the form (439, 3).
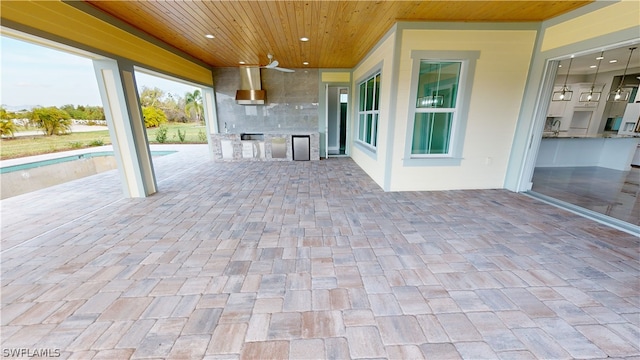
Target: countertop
(550, 135)
(272, 132)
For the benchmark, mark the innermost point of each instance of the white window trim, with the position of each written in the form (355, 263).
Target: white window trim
(357, 141)
(460, 112)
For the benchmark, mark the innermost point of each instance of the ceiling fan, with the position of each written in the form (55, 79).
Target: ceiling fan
(273, 64)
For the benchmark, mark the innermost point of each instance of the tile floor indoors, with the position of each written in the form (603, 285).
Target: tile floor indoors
(610, 192)
(309, 260)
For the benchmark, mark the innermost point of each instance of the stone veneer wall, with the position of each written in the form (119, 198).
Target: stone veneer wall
(292, 102)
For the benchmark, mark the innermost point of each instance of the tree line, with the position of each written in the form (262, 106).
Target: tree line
(158, 107)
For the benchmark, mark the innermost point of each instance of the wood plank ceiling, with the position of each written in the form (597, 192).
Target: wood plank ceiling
(340, 32)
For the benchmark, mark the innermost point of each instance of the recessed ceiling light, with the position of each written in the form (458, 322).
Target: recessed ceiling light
(592, 66)
(613, 61)
(242, 63)
(560, 65)
(600, 58)
(305, 63)
(209, 36)
(304, 39)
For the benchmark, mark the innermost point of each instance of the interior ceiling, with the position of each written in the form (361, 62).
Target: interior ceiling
(582, 64)
(340, 32)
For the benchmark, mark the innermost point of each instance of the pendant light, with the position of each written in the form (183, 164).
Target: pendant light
(592, 96)
(619, 94)
(564, 94)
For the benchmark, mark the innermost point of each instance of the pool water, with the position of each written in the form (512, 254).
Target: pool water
(24, 178)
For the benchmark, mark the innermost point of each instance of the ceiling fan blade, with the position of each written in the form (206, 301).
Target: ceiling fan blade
(284, 70)
(273, 64)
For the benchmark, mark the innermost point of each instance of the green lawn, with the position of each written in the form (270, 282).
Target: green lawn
(192, 133)
(35, 145)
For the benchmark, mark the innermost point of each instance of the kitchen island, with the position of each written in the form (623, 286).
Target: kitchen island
(613, 152)
(266, 146)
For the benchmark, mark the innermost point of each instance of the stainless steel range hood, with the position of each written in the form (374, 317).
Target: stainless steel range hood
(250, 92)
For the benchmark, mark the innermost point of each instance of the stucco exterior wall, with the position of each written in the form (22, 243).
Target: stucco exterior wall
(498, 86)
(615, 17)
(380, 58)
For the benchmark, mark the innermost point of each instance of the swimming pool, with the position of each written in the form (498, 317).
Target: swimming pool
(27, 177)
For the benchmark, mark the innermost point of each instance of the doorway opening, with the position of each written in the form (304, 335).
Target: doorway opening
(337, 105)
(589, 155)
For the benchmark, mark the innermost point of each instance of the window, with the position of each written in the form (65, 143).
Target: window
(368, 110)
(435, 107)
(441, 83)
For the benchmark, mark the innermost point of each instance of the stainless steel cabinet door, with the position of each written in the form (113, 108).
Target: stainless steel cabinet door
(301, 145)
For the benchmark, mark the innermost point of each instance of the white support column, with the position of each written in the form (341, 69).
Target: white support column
(210, 115)
(126, 127)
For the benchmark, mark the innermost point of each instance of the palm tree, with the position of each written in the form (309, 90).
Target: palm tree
(7, 127)
(193, 102)
(52, 120)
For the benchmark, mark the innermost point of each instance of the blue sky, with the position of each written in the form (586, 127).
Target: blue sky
(36, 75)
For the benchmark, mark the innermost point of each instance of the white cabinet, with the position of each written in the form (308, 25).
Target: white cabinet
(557, 108)
(630, 120)
(611, 153)
(580, 122)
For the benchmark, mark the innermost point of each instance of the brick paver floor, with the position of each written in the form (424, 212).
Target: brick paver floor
(309, 260)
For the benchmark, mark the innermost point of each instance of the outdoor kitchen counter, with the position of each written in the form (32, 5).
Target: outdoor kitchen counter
(261, 146)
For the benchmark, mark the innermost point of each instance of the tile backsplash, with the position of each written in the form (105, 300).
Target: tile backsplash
(292, 101)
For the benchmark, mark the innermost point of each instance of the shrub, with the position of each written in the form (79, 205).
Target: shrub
(52, 120)
(7, 127)
(161, 134)
(202, 136)
(182, 135)
(153, 117)
(76, 144)
(96, 142)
